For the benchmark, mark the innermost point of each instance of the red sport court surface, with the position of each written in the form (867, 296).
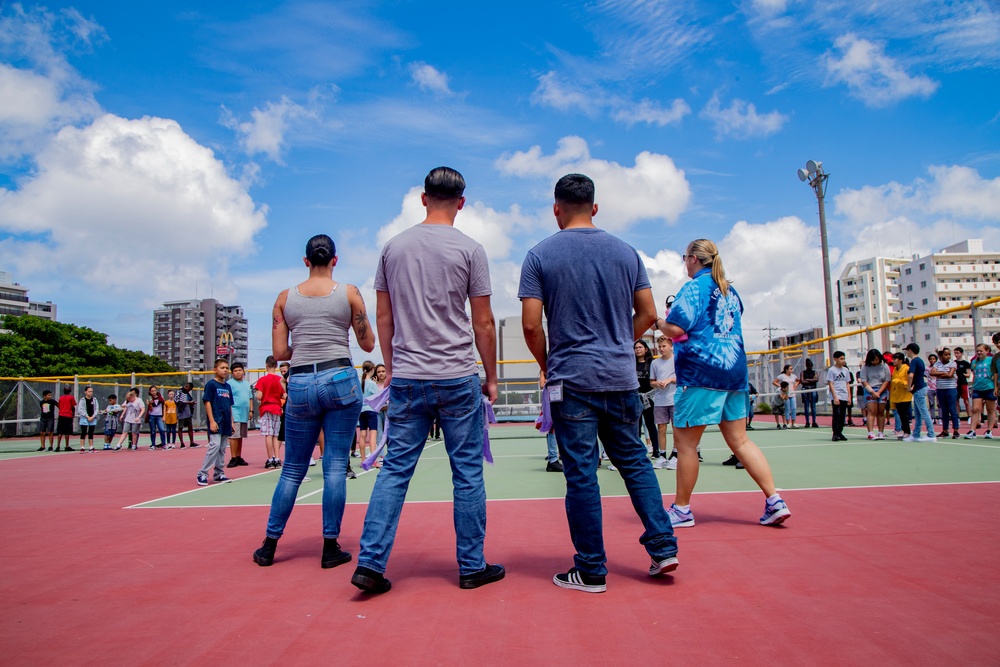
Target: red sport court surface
(889, 559)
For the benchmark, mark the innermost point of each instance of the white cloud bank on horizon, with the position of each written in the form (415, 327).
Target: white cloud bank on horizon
(653, 189)
(135, 195)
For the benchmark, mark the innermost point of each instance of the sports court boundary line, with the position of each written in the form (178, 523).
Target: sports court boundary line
(514, 500)
(195, 490)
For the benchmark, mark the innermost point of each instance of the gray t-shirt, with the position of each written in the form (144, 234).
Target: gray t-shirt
(663, 369)
(587, 279)
(875, 376)
(430, 271)
(840, 378)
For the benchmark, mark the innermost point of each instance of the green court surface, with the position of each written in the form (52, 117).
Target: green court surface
(800, 459)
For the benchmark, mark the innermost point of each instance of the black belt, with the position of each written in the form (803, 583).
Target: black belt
(322, 366)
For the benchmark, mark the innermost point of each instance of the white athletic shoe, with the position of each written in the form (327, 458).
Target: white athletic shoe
(971, 435)
(988, 435)
(672, 464)
(909, 438)
(312, 461)
(660, 463)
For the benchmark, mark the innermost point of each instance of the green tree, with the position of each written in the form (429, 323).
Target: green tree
(36, 347)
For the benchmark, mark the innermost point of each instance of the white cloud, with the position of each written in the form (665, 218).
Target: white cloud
(129, 207)
(770, 6)
(777, 268)
(740, 119)
(44, 92)
(430, 78)
(265, 132)
(648, 111)
(666, 274)
(871, 75)
(487, 226)
(553, 92)
(654, 188)
(897, 220)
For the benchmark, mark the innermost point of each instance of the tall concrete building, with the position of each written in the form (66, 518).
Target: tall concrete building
(187, 333)
(14, 300)
(958, 275)
(868, 293)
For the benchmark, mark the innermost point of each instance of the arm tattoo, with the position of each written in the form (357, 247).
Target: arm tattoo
(361, 324)
(278, 319)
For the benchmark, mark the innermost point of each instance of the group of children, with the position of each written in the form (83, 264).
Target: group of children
(56, 419)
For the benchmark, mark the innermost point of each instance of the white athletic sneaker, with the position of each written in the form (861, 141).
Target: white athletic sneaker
(671, 464)
(612, 468)
(312, 461)
(971, 435)
(660, 463)
(909, 438)
(871, 436)
(880, 436)
(927, 438)
(988, 435)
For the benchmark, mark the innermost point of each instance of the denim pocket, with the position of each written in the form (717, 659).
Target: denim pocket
(630, 406)
(571, 408)
(400, 401)
(301, 399)
(340, 389)
(458, 399)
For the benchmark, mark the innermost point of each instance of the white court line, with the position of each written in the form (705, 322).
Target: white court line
(195, 490)
(697, 493)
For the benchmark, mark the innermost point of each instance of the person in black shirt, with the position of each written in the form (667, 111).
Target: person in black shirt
(809, 379)
(643, 360)
(48, 409)
(963, 367)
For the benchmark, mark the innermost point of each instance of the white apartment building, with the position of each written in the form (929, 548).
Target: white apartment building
(186, 333)
(958, 275)
(14, 300)
(868, 293)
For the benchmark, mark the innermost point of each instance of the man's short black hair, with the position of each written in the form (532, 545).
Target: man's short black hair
(913, 347)
(444, 183)
(575, 189)
(46, 393)
(838, 354)
(958, 349)
(236, 365)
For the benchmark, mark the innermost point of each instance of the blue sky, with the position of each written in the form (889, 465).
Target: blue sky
(149, 151)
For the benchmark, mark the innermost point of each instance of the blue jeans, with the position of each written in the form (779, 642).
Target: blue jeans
(413, 406)
(328, 400)
(921, 413)
(809, 400)
(550, 440)
(948, 404)
(156, 425)
(790, 408)
(579, 419)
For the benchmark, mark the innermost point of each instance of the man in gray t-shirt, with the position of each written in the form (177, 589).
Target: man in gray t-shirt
(424, 278)
(593, 288)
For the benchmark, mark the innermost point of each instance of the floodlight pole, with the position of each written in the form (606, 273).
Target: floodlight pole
(818, 183)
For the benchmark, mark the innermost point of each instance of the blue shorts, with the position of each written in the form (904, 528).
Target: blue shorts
(984, 394)
(876, 398)
(368, 421)
(698, 406)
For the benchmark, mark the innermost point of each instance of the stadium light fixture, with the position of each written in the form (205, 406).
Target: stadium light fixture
(817, 179)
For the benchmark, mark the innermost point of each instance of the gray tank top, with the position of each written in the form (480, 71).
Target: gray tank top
(319, 325)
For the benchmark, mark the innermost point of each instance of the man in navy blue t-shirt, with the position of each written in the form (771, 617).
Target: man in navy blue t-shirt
(918, 386)
(595, 294)
(218, 397)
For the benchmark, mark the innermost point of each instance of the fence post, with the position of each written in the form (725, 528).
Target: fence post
(133, 382)
(20, 406)
(76, 386)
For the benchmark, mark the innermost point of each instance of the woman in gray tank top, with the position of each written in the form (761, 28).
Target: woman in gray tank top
(324, 392)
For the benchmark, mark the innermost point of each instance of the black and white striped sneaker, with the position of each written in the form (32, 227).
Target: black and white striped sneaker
(578, 581)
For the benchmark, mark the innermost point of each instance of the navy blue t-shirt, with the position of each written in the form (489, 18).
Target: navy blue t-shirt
(586, 280)
(918, 369)
(220, 397)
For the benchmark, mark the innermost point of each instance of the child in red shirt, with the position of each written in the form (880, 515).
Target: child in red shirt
(269, 393)
(67, 408)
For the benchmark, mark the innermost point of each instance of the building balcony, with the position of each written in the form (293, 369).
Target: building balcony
(946, 269)
(986, 286)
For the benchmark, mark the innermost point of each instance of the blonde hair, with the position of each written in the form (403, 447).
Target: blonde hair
(707, 253)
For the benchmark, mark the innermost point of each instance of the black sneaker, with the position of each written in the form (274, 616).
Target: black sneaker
(233, 462)
(241, 461)
(739, 465)
(351, 474)
(333, 555)
(487, 575)
(578, 581)
(955, 435)
(264, 556)
(554, 466)
(731, 461)
(370, 581)
(700, 460)
(268, 464)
